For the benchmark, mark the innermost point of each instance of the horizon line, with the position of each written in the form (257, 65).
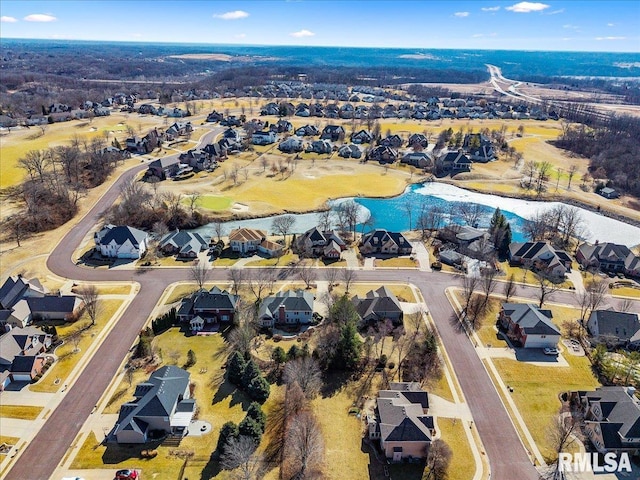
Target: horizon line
(177, 42)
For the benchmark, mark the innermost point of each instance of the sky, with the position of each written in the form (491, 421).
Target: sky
(574, 25)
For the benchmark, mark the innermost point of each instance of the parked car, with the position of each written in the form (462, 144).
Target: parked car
(126, 474)
(551, 351)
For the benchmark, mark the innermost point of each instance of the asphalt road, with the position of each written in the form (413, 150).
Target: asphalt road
(507, 457)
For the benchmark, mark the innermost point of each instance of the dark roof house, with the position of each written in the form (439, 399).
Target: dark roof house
(385, 242)
(378, 305)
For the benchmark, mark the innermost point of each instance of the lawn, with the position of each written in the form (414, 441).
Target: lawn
(276, 261)
(8, 440)
(402, 291)
(625, 292)
(213, 202)
(23, 412)
(398, 262)
(462, 465)
(218, 402)
(67, 357)
(536, 391)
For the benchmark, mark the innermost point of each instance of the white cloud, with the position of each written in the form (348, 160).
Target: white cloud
(461, 14)
(490, 9)
(611, 24)
(40, 17)
(568, 26)
(302, 33)
(241, 35)
(235, 15)
(526, 7)
(610, 38)
(5, 19)
(555, 12)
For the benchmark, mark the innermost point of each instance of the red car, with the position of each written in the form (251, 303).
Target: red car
(126, 475)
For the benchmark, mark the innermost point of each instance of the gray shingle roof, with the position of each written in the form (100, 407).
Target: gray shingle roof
(123, 233)
(400, 414)
(531, 319)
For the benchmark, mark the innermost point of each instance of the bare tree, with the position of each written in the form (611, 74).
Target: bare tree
(306, 372)
(592, 297)
(325, 221)
(305, 446)
(236, 277)
(89, 296)
(509, 287)
(283, 225)
(626, 305)
(470, 212)
(438, 460)
(407, 206)
(469, 284)
(307, 274)
(562, 433)
(546, 288)
(200, 273)
(488, 284)
(259, 282)
(194, 198)
(241, 457)
(571, 172)
(348, 276)
(331, 275)
(218, 227)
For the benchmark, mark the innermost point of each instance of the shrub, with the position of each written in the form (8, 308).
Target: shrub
(259, 389)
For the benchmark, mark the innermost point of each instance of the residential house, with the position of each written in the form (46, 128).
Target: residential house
(232, 134)
(215, 117)
(349, 151)
(611, 418)
(270, 109)
(288, 307)
(615, 328)
(291, 145)
(196, 158)
(393, 141)
(528, 325)
(378, 305)
(22, 301)
(248, 240)
(540, 256)
(121, 242)
(478, 147)
(307, 131)
(143, 145)
(383, 154)
(162, 404)
(213, 306)
(333, 133)
(453, 161)
(417, 159)
(178, 129)
(183, 244)
(401, 423)
(418, 139)
(361, 136)
(316, 243)
(609, 193)
(147, 109)
(282, 126)
(166, 167)
(608, 257)
(320, 147)
(264, 138)
(385, 242)
(21, 352)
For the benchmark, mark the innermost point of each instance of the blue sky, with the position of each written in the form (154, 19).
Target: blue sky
(479, 24)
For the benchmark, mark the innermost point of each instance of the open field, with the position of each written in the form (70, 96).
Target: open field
(23, 412)
(68, 355)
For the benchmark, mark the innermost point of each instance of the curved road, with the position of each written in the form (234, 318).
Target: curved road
(507, 457)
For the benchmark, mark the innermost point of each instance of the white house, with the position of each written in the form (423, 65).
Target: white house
(290, 307)
(245, 240)
(121, 242)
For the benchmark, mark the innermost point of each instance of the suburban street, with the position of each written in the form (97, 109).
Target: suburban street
(507, 457)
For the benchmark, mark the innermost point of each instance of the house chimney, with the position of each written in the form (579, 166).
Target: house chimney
(281, 314)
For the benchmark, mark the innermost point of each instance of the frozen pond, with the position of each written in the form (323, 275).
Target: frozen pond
(390, 213)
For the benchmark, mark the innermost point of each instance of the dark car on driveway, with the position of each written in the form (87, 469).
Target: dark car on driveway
(126, 475)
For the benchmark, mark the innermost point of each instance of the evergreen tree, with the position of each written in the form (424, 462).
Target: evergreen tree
(343, 311)
(251, 371)
(349, 350)
(259, 389)
(228, 431)
(503, 247)
(235, 368)
(250, 428)
(293, 352)
(279, 356)
(497, 221)
(255, 411)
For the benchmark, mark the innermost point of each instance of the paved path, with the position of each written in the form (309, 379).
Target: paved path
(422, 255)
